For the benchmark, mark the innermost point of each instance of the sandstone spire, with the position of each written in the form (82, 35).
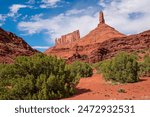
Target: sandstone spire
(101, 18)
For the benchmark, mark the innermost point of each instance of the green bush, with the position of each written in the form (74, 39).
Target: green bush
(123, 68)
(97, 66)
(37, 77)
(81, 68)
(145, 66)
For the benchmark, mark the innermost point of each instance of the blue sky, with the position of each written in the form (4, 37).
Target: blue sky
(39, 22)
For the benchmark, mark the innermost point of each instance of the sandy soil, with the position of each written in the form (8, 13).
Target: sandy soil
(95, 88)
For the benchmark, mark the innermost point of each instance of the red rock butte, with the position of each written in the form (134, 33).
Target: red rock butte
(68, 38)
(103, 42)
(101, 33)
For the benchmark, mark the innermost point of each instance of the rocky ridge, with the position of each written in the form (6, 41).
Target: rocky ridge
(12, 46)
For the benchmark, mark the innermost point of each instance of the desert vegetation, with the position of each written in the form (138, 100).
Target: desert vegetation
(145, 66)
(40, 77)
(124, 68)
(82, 69)
(48, 77)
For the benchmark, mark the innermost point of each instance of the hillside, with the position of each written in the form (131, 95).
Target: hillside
(12, 46)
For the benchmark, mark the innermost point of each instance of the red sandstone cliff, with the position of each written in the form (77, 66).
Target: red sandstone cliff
(12, 46)
(67, 39)
(109, 48)
(101, 43)
(101, 33)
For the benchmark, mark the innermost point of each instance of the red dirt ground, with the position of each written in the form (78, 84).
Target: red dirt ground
(95, 88)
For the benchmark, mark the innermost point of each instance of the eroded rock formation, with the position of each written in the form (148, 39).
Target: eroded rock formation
(68, 38)
(101, 18)
(101, 43)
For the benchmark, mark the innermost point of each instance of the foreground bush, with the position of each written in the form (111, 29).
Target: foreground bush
(123, 68)
(37, 77)
(81, 68)
(145, 66)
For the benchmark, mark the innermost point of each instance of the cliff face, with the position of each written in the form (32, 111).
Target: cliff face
(67, 39)
(109, 48)
(101, 43)
(12, 46)
(65, 45)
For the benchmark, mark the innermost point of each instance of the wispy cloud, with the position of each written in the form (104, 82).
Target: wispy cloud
(125, 15)
(62, 23)
(13, 13)
(49, 3)
(31, 2)
(15, 8)
(40, 47)
(75, 11)
(128, 16)
(37, 17)
(2, 19)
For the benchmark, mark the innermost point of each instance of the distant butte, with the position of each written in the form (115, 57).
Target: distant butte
(101, 43)
(68, 38)
(101, 33)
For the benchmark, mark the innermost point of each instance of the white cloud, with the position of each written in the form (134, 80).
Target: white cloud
(75, 11)
(36, 17)
(15, 8)
(2, 19)
(40, 47)
(31, 27)
(61, 24)
(118, 15)
(25, 17)
(49, 3)
(31, 2)
(13, 12)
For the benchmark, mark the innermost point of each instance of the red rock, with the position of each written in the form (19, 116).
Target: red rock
(101, 33)
(12, 46)
(101, 43)
(68, 38)
(101, 18)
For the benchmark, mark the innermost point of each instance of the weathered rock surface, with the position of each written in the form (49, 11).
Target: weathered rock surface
(101, 43)
(101, 18)
(109, 48)
(12, 46)
(68, 38)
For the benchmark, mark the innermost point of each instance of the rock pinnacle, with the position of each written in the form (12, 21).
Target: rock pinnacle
(101, 18)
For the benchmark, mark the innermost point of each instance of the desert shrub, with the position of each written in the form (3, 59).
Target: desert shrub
(97, 66)
(123, 68)
(145, 66)
(121, 91)
(6, 71)
(37, 77)
(81, 68)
